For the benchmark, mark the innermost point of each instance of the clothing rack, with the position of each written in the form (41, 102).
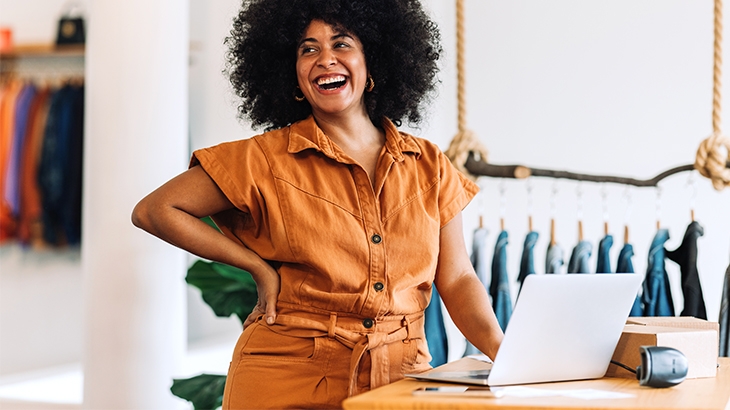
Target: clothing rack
(478, 167)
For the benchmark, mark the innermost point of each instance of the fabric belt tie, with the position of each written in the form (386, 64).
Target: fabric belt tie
(385, 331)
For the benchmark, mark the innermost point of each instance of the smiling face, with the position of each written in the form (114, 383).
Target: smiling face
(331, 70)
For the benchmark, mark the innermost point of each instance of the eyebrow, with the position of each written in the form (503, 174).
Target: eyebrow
(314, 40)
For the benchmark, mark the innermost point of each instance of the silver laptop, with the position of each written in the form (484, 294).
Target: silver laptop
(564, 327)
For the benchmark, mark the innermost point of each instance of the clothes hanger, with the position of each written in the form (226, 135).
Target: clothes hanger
(693, 185)
(627, 214)
(502, 203)
(604, 204)
(553, 195)
(658, 207)
(528, 183)
(579, 194)
(480, 202)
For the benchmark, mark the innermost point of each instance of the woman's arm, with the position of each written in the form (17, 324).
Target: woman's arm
(463, 294)
(172, 213)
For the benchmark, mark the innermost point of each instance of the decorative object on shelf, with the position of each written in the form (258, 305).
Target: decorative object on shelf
(71, 27)
(6, 39)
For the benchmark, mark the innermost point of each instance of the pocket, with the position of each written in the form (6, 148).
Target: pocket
(416, 356)
(265, 344)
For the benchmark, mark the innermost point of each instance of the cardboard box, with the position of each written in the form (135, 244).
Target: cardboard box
(697, 339)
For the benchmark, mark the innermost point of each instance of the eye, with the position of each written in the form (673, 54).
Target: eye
(341, 44)
(306, 50)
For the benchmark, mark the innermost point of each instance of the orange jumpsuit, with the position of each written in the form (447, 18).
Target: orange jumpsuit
(356, 263)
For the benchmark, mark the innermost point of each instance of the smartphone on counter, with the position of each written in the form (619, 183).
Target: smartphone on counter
(458, 391)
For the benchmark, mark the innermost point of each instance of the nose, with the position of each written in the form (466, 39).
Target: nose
(326, 58)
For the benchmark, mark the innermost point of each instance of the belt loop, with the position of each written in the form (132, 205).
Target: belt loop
(407, 324)
(333, 323)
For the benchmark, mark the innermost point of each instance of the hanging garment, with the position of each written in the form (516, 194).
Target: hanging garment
(479, 260)
(11, 193)
(624, 265)
(480, 256)
(527, 263)
(436, 337)
(725, 317)
(59, 173)
(686, 257)
(657, 296)
(604, 257)
(499, 285)
(30, 231)
(580, 257)
(74, 172)
(554, 259)
(7, 124)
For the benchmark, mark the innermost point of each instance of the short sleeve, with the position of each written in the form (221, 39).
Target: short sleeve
(456, 190)
(238, 168)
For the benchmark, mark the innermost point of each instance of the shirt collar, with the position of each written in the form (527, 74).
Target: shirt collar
(306, 134)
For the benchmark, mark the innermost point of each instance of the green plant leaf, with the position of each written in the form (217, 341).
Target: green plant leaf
(205, 391)
(227, 290)
(210, 222)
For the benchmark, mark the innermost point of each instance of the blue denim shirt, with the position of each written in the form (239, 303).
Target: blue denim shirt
(554, 259)
(499, 287)
(603, 264)
(436, 337)
(657, 295)
(480, 262)
(480, 256)
(527, 263)
(580, 257)
(624, 265)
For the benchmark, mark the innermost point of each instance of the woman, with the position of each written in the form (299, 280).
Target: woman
(344, 222)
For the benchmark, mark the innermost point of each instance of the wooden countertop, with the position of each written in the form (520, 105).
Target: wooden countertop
(704, 393)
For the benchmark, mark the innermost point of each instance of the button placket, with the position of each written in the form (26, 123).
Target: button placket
(371, 217)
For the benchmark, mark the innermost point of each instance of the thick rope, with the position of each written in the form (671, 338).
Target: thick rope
(465, 140)
(711, 160)
(712, 155)
(460, 69)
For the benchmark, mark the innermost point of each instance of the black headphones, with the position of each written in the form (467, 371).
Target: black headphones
(661, 366)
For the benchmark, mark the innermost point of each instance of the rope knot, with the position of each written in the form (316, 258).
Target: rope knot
(711, 160)
(464, 142)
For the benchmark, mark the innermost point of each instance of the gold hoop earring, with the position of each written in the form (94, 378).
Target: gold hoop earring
(298, 98)
(369, 84)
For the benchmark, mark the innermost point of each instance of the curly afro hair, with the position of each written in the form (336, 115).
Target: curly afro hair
(401, 44)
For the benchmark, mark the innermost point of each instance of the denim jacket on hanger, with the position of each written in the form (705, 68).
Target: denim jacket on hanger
(480, 262)
(436, 338)
(499, 287)
(527, 263)
(554, 259)
(686, 257)
(604, 258)
(657, 295)
(624, 265)
(580, 257)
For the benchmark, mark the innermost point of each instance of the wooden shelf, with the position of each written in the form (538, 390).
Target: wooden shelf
(44, 50)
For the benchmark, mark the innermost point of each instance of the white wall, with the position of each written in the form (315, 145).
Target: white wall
(41, 303)
(620, 87)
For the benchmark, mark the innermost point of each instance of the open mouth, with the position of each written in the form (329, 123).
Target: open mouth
(331, 83)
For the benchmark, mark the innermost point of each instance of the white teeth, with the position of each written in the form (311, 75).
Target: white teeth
(330, 80)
